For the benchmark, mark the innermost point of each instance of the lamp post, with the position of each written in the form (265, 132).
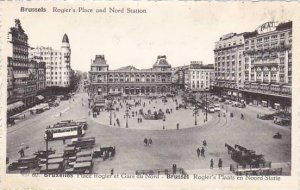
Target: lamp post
(110, 108)
(127, 115)
(164, 119)
(206, 107)
(196, 113)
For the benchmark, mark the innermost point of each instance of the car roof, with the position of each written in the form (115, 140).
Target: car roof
(82, 164)
(55, 160)
(28, 157)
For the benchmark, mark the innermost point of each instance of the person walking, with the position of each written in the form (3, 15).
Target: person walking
(146, 141)
(174, 167)
(21, 152)
(202, 152)
(150, 141)
(220, 163)
(198, 152)
(211, 164)
(177, 126)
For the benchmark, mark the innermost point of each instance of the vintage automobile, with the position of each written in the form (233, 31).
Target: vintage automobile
(266, 116)
(28, 162)
(70, 151)
(52, 169)
(84, 159)
(282, 120)
(84, 154)
(41, 154)
(81, 168)
(83, 143)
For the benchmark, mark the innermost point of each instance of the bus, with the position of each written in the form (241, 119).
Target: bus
(64, 132)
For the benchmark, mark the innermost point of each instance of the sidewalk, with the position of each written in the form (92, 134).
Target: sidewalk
(260, 109)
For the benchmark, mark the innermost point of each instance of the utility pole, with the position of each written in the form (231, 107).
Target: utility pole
(127, 114)
(206, 107)
(47, 136)
(195, 114)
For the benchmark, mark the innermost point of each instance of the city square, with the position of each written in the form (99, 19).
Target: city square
(169, 146)
(226, 115)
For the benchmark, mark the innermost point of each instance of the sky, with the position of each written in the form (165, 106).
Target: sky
(183, 32)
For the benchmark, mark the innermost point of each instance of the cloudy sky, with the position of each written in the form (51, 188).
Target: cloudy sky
(183, 32)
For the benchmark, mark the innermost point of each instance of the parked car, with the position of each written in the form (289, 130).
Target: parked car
(211, 109)
(266, 117)
(228, 102)
(282, 120)
(28, 162)
(217, 107)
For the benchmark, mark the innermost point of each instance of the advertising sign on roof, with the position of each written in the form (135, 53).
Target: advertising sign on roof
(267, 27)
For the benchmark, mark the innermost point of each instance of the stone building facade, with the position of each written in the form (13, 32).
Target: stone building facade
(130, 80)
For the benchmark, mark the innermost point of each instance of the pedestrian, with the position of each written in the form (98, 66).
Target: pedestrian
(146, 141)
(204, 143)
(211, 164)
(202, 152)
(198, 152)
(21, 152)
(177, 126)
(138, 120)
(174, 168)
(220, 163)
(150, 141)
(112, 172)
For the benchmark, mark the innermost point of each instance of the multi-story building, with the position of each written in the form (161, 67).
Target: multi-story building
(182, 76)
(256, 66)
(58, 65)
(228, 64)
(20, 89)
(268, 65)
(38, 69)
(130, 80)
(200, 76)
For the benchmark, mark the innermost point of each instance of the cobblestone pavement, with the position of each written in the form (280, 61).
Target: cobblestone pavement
(169, 146)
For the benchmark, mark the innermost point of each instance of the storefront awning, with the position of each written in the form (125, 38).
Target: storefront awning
(40, 97)
(15, 105)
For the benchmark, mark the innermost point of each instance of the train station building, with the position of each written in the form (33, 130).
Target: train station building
(129, 80)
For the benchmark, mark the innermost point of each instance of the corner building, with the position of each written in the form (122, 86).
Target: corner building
(58, 63)
(256, 66)
(21, 87)
(129, 80)
(268, 66)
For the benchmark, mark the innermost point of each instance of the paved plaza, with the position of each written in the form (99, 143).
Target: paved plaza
(184, 117)
(169, 146)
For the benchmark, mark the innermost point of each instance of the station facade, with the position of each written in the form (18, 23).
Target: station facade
(129, 80)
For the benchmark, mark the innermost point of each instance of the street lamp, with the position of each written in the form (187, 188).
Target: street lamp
(110, 108)
(127, 115)
(164, 119)
(196, 113)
